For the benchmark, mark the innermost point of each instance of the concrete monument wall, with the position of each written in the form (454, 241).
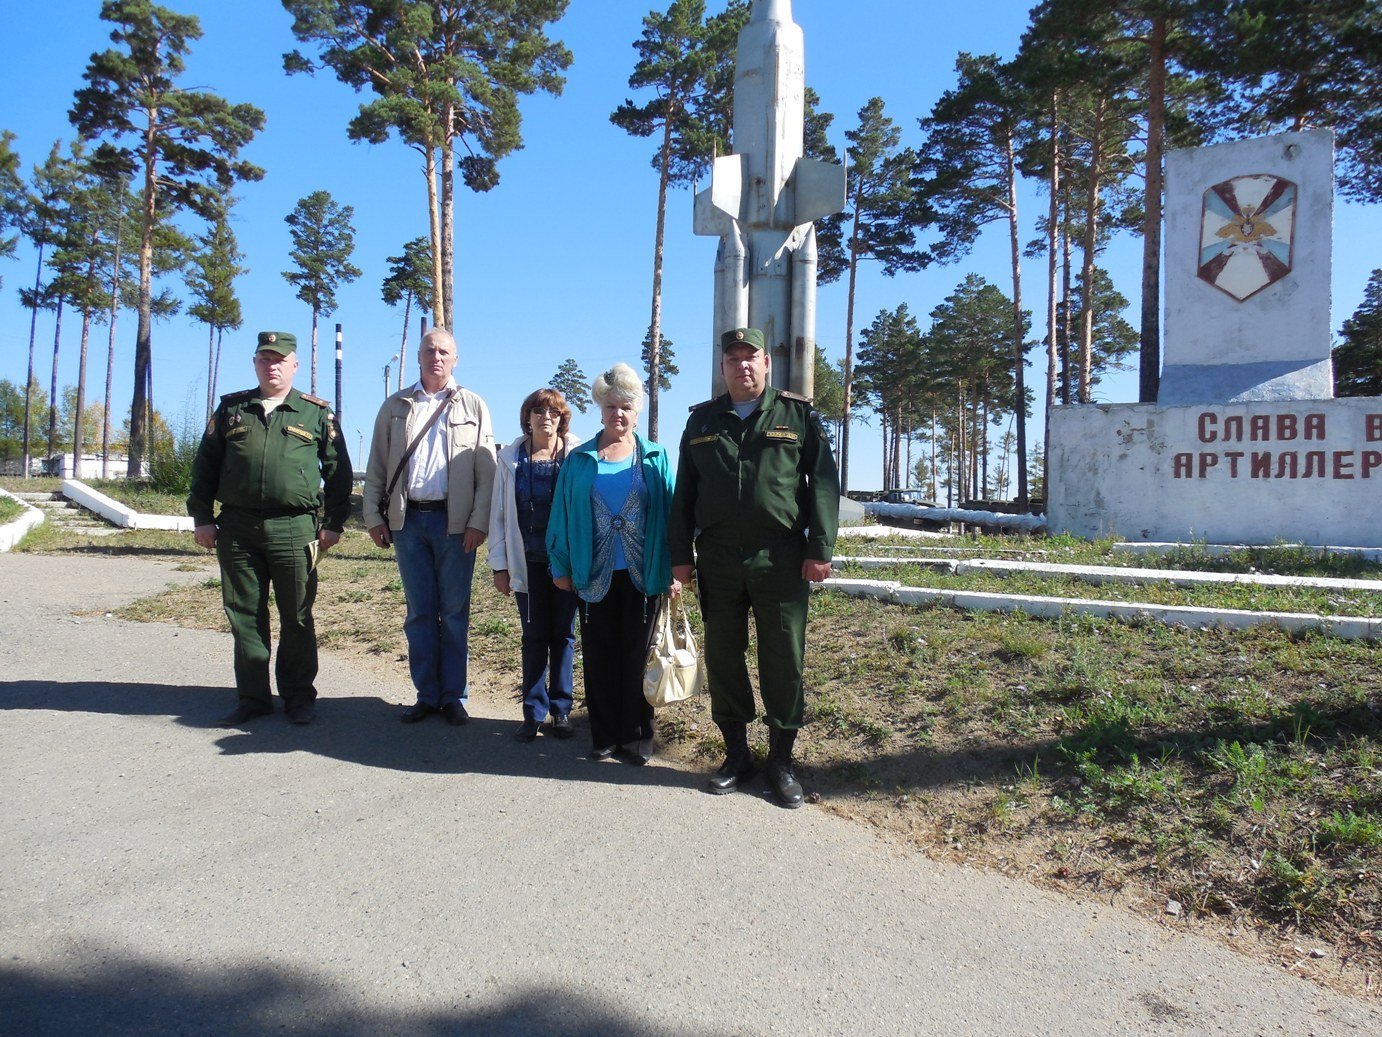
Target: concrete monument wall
(1245, 443)
(1307, 471)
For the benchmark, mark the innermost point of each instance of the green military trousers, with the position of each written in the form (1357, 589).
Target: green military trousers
(256, 552)
(732, 581)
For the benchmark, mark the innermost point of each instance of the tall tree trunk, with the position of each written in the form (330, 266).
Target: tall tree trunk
(210, 370)
(1091, 239)
(110, 347)
(216, 364)
(1066, 329)
(1149, 381)
(314, 351)
(934, 491)
(429, 168)
(655, 324)
(53, 385)
(1019, 347)
(849, 346)
(403, 342)
(140, 404)
(29, 381)
(81, 396)
(448, 223)
(1052, 277)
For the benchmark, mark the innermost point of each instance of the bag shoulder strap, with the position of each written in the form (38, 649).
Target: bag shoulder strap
(422, 433)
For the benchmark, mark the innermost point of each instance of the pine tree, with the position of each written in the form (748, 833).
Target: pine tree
(1293, 66)
(676, 63)
(968, 178)
(1358, 356)
(666, 368)
(210, 277)
(323, 241)
(11, 197)
(409, 279)
(184, 144)
(572, 383)
(877, 215)
(447, 76)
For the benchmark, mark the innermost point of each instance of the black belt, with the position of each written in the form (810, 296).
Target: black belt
(427, 505)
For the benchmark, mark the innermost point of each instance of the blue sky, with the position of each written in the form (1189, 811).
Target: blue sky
(557, 261)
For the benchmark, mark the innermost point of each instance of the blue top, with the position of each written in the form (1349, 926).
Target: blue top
(571, 531)
(534, 487)
(613, 481)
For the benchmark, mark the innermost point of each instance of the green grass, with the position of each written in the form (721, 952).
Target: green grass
(140, 496)
(10, 510)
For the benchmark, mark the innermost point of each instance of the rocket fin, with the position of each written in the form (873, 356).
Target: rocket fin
(820, 189)
(727, 178)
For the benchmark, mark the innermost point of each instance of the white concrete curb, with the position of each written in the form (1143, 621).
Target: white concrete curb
(1368, 554)
(11, 533)
(1098, 574)
(1354, 628)
(120, 514)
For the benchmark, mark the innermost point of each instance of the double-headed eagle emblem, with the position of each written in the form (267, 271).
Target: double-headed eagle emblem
(1245, 233)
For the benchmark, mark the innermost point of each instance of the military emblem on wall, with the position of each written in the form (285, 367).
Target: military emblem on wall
(1245, 233)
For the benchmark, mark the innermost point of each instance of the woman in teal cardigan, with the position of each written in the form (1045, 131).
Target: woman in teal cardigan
(607, 541)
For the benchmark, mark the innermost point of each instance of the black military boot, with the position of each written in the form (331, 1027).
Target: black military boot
(781, 781)
(738, 765)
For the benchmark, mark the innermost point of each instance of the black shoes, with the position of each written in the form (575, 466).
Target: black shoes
(242, 713)
(302, 713)
(738, 766)
(632, 758)
(454, 713)
(527, 731)
(782, 783)
(603, 753)
(561, 726)
(732, 773)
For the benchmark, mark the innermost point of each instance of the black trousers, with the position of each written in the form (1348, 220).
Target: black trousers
(614, 647)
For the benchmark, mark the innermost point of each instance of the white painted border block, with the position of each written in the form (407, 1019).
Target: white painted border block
(120, 514)
(1367, 554)
(11, 533)
(1357, 628)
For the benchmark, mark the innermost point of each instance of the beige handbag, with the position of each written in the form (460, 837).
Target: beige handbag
(675, 669)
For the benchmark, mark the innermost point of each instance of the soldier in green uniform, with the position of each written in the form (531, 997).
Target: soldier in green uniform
(276, 461)
(758, 492)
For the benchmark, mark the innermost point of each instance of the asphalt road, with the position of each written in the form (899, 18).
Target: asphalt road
(159, 875)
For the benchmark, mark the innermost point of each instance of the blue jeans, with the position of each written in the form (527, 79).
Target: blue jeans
(436, 571)
(548, 615)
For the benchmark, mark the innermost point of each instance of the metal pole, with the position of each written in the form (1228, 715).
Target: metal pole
(338, 376)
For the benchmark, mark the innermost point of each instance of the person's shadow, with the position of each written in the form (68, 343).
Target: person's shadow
(364, 730)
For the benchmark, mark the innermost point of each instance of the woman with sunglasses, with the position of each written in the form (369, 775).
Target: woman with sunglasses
(524, 485)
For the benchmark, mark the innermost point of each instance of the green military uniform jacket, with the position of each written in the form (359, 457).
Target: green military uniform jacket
(292, 461)
(755, 482)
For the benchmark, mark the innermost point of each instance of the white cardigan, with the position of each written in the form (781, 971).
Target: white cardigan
(505, 534)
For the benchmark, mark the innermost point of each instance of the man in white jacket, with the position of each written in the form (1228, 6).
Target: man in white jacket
(436, 516)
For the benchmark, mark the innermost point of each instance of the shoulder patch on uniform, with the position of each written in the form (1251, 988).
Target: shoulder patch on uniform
(317, 400)
(793, 396)
(703, 403)
(236, 397)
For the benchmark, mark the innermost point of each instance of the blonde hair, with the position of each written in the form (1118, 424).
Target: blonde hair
(621, 383)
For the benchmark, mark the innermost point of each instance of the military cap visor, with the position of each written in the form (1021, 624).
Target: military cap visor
(280, 342)
(751, 337)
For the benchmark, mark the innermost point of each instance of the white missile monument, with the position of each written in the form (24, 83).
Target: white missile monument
(763, 200)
